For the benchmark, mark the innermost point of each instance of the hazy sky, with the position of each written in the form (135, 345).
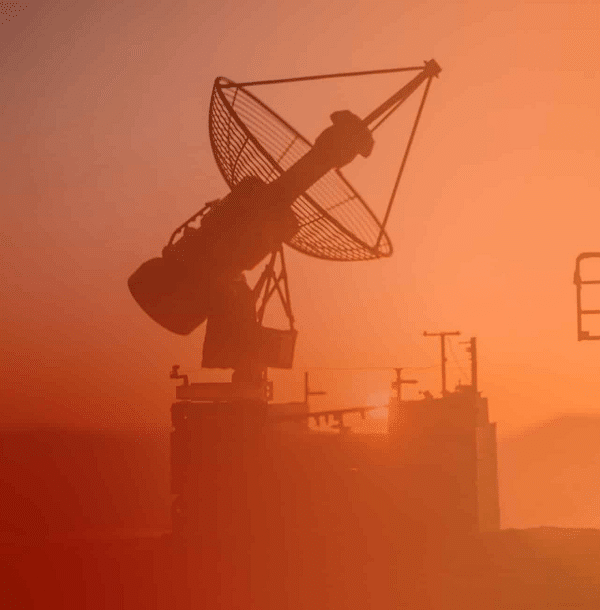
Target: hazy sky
(104, 150)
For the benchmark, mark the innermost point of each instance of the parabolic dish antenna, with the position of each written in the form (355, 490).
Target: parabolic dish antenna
(250, 139)
(283, 190)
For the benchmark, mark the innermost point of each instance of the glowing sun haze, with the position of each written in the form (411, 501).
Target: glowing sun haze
(104, 151)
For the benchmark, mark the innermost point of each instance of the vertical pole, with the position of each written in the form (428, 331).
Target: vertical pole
(443, 346)
(399, 384)
(306, 391)
(578, 283)
(397, 415)
(442, 337)
(474, 363)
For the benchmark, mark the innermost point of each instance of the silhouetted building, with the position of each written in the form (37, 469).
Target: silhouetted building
(449, 446)
(279, 516)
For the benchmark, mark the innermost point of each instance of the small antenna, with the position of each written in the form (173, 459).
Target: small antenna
(442, 337)
(397, 385)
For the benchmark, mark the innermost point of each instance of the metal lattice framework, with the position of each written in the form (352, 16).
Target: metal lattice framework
(249, 139)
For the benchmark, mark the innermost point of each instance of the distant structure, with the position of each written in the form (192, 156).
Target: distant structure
(448, 445)
(339, 519)
(583, 312)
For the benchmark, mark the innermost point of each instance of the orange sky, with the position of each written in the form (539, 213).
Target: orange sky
(104, 150)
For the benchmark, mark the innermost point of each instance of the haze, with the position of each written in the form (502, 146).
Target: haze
(104, 150)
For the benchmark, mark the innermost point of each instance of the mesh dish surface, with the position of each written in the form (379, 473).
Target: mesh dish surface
(249, 139)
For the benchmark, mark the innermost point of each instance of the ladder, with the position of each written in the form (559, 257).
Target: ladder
(584, 335)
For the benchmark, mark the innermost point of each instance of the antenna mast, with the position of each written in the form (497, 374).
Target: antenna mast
(397, 385)
(442, 337)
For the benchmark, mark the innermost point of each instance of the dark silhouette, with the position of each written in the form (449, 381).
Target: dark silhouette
(185, 286)
(199, 265)
(585, 334)
(263, 517)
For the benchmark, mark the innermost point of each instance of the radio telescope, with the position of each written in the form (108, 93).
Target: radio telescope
(283, 191)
